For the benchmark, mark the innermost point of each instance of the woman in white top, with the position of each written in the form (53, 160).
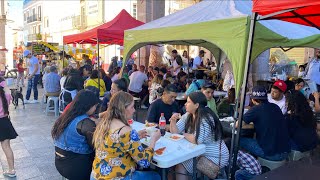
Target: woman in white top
(200, 125)
(155, 85)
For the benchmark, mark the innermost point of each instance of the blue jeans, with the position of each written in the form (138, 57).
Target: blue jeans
(243, 174)
(252, 146)
(32, 84)
(137, 175)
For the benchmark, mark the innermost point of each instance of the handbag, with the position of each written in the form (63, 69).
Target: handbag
(207, 167)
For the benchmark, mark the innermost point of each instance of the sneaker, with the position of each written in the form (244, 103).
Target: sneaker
(35, 101)
(26, 101)
(144, 107)
(11, 173)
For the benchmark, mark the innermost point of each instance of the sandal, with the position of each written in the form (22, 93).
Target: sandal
(11, 173)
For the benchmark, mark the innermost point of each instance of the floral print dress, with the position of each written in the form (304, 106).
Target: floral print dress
(118, 156)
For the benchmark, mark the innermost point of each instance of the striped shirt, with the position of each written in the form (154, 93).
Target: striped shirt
(207, 137)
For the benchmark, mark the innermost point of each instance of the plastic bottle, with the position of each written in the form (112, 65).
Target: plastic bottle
(162, 124)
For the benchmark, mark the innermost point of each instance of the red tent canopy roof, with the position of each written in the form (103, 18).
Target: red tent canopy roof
(306, 12)
(111, 32)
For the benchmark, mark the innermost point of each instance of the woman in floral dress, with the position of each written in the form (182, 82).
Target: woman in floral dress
(118, 147)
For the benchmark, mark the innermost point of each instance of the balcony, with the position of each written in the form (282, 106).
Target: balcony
(79, 22)
(33, 18)
(34, 37)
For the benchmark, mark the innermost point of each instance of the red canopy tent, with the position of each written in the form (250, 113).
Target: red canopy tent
(111, 32)
(306, 12)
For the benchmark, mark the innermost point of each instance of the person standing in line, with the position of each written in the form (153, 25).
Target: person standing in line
(313, 69)
(33, 72)
(20, 73)
(7, 131)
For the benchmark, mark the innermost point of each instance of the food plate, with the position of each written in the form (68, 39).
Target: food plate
(148, 124)
(175, 137)
(160, 151)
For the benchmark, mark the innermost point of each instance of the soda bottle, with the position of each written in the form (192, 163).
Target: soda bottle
(130, 122)
(162, 124)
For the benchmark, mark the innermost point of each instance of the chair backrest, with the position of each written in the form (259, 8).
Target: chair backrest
(297, 155)
(271, 164)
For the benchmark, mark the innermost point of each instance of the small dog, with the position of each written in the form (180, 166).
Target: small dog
(16, 95)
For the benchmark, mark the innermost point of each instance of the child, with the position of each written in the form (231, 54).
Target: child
(7, 132)
(302, 72)
(20, 73)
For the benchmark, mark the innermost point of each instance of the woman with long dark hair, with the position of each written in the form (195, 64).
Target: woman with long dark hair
(7, 132)
(72, 135)
(200, 125)
(118, 147)
(301, 122)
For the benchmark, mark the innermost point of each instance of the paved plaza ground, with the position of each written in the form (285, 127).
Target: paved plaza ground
(33, 148)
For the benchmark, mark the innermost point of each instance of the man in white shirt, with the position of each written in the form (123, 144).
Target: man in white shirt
(198, 60)
(33, 72)
(176, 63)
(137, 80)
(277, 95)
(313, 69)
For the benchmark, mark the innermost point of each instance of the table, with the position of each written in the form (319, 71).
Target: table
(220, 94)
(176, 151)
(217, 94)
(181, 96)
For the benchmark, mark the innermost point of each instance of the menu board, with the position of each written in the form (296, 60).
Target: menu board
(38, 49)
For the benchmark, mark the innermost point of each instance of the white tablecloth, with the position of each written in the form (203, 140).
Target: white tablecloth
(176, 151)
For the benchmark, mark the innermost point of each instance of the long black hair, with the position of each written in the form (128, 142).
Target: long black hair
(4, 101)
(203, 115)
(299, 107)
(84, 100)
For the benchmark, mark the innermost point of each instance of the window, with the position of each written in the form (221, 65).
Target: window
(39, 12)
(25, 16)
(34, 29)
(134, 10)
(39, 29)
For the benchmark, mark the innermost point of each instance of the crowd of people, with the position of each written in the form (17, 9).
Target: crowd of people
(93, 139)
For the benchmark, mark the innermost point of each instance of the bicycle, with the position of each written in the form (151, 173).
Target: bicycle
(7, 73)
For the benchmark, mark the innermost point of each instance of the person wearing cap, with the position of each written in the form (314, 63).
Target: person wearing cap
(198, 60)
(197, 83)
(33, 72)
(277, 95)
(208, 89)
(272, 137)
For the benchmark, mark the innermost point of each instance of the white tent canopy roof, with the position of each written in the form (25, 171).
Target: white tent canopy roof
(210, 10)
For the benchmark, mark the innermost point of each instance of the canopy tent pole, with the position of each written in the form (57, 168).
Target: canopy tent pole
(63, 56)
(98, 66)
(139, 56)
(235, 141)
(188, 56)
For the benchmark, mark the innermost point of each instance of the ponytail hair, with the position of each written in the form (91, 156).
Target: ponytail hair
(5, 104)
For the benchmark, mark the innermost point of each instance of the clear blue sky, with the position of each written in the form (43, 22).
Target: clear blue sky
(15, 11)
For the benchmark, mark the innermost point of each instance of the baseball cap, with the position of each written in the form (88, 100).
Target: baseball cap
(259, 92)
(202, 52)
(281, 85)
(209, 85)
(26, 53)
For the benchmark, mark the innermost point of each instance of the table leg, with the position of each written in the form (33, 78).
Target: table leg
(164, 174)
(194, 171)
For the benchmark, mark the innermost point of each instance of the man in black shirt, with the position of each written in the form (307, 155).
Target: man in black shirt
(272, 138)
(166, 104)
